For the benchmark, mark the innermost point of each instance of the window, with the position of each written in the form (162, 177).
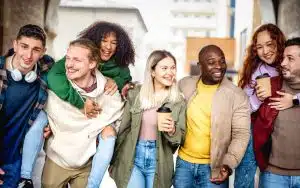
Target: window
(243, 42)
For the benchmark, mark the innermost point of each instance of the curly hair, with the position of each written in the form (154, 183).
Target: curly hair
(97, 31)
(251, 61)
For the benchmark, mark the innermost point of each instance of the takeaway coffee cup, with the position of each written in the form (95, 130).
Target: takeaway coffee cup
(264, 81)
(162, 113)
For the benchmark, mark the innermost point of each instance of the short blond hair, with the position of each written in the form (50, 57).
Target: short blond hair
(89, 45)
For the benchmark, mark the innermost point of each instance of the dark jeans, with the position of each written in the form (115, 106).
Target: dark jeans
(12, 174)
(245, 172)
(191, 175)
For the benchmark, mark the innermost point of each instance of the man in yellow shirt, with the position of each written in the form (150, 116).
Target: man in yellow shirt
(218, 125)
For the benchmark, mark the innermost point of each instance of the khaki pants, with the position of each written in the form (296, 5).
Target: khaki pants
(55, 176)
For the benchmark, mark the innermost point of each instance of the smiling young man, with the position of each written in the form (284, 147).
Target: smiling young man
(218, 125)
(73, 143)
(22, 96)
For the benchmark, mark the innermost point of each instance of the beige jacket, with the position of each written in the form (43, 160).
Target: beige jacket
(73, 141)
(230, 122)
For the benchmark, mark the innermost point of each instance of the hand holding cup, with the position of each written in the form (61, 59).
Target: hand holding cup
(164, 120)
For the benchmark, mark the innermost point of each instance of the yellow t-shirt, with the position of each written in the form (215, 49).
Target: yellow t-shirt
(196, 148)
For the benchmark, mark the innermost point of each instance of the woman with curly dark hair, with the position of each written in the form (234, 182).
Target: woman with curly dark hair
(263, 58)
(116, 53)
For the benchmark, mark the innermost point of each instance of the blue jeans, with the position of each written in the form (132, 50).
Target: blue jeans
(12, 174)
(191, 175)
(33, 143)
(101, 160)
(245, 172)
(270, 180)
(143, 171)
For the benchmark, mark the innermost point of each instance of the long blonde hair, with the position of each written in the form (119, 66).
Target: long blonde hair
(148, 98)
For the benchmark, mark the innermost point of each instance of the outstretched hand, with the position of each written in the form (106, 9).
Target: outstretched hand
(283, 102)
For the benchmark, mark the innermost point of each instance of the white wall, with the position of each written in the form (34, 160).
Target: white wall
(243, 20)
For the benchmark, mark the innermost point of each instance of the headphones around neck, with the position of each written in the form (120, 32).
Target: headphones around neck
(16, 75)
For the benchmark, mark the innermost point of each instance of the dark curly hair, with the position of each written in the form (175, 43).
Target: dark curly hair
(252, 59)
(125, 51)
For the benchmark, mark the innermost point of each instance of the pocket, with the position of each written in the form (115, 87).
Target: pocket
(179, 162)
(135, 117)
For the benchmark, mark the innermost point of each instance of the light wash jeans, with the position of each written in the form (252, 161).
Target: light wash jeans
(101, 160)
(270, 180)
(143, 172)
(192, 175)
(33, 143)
(245, 172)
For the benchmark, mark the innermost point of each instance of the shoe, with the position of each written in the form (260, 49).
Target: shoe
(25, 183)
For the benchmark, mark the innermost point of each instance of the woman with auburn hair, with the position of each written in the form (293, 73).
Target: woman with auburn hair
(143, 154)
(263, 58)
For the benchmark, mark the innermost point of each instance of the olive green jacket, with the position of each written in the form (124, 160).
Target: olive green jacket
(124, 154)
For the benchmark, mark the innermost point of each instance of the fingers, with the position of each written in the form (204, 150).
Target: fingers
(1, 172)
(261, 93)
(92, 108)
(47, 132)
(111, 90)
(167, 125)
(91, 115)
(110, 87)
(280, 93)
(275, 99)
(125, 90)
(223, 175)
(277, 106)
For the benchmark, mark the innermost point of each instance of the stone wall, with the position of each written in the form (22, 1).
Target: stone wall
(288, 17)
(17, 13)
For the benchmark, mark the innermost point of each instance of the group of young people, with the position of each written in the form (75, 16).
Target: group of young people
(92, 118)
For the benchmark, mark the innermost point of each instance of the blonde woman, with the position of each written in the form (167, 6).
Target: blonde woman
(143, 155)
